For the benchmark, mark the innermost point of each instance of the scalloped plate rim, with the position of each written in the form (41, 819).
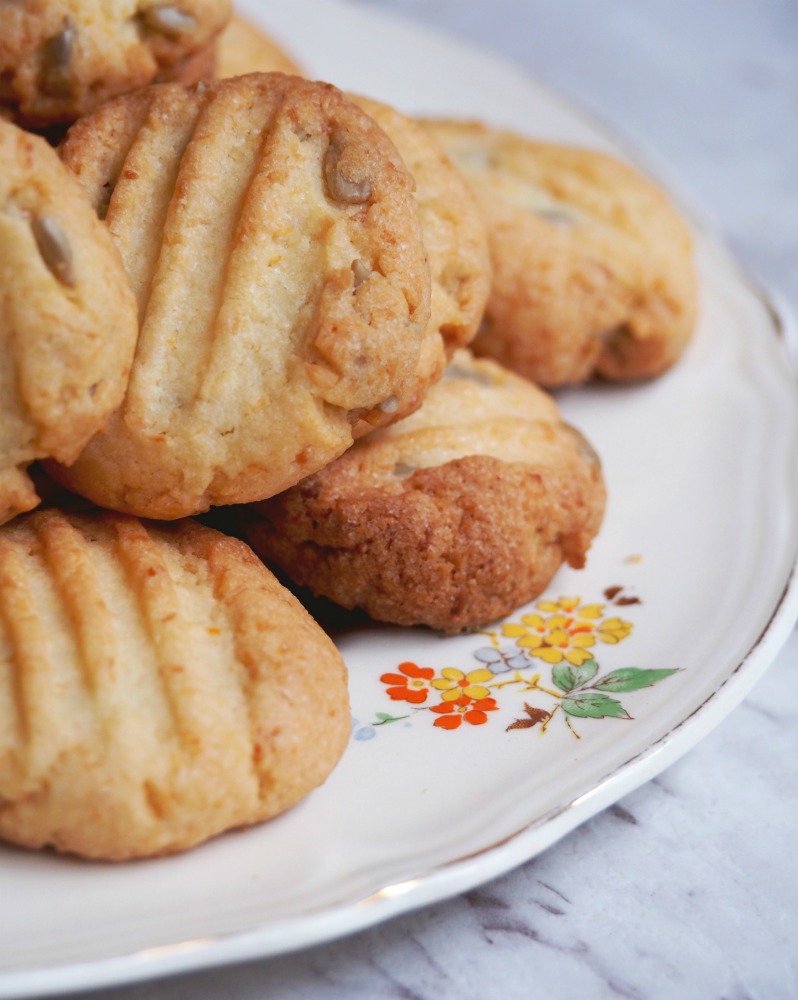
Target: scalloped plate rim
(467, 871)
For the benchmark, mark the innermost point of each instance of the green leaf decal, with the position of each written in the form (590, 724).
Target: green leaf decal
(594, 706)
(384, 718)
(631, 679)
(567, 677)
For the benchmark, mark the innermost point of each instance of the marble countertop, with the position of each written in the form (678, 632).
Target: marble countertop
(688, 887)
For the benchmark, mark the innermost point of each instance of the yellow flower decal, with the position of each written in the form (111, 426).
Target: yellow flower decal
(568, 632)
(562, 633)
(613, 630)
(454, 684)
(570, 605)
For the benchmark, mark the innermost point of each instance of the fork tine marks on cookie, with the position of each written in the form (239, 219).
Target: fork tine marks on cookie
(143, 182)
(255, 345)
(179, 326)
(150, 691)
(45, 689)
(192, 656)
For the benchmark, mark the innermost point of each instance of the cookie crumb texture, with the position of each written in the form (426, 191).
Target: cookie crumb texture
(271, 235)
(157, 687)
(67, 316)
(452, 518)
(61, 59)
(593, 271)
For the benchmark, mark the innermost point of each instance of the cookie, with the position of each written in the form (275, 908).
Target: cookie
(451, 518)
(271, 235)
(455, 237)
(592, 264)
(200, 65)
(157, 687)
(67, 316)
(243, 48)
(60, 59)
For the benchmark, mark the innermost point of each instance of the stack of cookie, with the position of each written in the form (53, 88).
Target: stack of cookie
(257, 291)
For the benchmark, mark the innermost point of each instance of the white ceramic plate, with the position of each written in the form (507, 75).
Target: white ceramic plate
(689, 593)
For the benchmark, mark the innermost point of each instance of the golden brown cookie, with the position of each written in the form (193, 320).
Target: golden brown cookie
(592, 264)
(67, 316)
(200, 65)
(157, 687)
(60, 59)
(451, 518)
(272, 238)
(243, 48)
(455, 237)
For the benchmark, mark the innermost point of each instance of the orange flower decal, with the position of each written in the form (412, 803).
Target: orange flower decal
(562, 638)
(412, 684)
(452, 713)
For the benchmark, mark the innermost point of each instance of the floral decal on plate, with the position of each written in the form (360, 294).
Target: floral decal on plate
(561, 639)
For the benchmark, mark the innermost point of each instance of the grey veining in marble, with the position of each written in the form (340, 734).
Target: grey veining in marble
(688, 888)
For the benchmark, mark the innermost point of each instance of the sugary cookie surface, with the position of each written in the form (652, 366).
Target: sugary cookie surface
(157, 686)
(271, 234)
(592, 264)
(451, 518)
